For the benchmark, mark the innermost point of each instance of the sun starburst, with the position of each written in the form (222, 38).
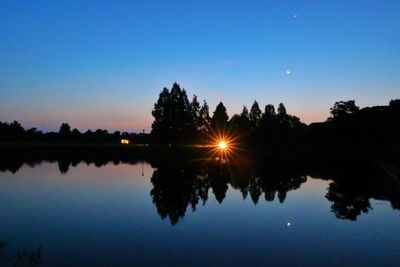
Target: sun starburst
(223, 145)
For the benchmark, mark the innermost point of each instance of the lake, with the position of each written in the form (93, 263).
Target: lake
(196, 213)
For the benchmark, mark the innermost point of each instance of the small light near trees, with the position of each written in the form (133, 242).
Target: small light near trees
(125, 141)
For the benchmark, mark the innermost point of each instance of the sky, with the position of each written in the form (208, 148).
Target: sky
(102, 64)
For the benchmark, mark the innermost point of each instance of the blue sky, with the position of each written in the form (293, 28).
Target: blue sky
(102, 64)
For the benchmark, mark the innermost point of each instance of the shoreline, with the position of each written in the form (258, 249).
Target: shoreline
(109, 150)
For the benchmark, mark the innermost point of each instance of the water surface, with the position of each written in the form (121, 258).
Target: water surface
(141, 214)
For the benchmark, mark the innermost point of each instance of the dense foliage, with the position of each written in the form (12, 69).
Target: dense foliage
(178, 120)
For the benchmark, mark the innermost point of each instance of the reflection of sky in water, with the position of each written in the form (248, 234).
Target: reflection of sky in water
(105, 216)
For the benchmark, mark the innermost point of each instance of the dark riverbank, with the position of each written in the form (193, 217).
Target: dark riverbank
(335, 151)
(46, 150)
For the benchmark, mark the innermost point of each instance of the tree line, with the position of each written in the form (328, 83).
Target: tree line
(178, 120)
(14, 132)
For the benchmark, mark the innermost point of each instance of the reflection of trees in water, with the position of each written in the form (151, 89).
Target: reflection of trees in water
(175, 187)
(352, 185)
(64, 164)
(173, 190)
(219, 177)
(347, 203)
(255, 189)
(281, 181)
(180, 182)
(351, 189)
(275, 180)
(13, 166)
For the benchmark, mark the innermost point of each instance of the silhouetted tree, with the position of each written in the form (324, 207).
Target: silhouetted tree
(245, 114)
(173, 116)
(204, 116)
(235, 122)
(195, 116)
(241, 123)
(244, 119)
(161, 110)
(269, 111)
(279, 129)
(162, 116)
(14, 132)
(219, 120)
(268, 124)
(281, 109)
(65, 129)
(395, 104)
(342, 109)
(255, 115)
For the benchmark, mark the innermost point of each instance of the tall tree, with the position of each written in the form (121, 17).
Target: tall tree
(269, 110)
(235, 122)
(240, 122)
(244, 119)
(65, 129)
(220, 118)
(162, 116)
(282, 110)
(268, 121)
(175, 117)
(195, 113)
(180, 109)
(255, 115)
(245, 113)
(204, 117)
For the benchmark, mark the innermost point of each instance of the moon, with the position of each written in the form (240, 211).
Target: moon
(288, 72)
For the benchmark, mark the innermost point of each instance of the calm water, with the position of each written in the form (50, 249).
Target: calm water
(137, 214)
